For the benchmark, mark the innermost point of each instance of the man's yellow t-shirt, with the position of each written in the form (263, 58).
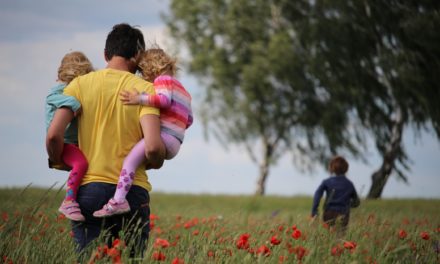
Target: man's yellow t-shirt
(107, 129)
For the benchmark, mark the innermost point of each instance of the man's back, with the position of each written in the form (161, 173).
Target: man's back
(108, 129)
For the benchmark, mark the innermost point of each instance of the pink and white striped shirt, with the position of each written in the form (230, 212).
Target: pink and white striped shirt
(174, 103)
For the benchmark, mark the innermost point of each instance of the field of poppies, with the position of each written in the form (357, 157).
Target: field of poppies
(228, 229)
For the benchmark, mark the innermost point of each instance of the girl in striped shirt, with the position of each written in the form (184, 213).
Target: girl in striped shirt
(176, 116)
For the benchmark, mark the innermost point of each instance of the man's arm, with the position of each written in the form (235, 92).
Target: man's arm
(55, 134)
(154, 148)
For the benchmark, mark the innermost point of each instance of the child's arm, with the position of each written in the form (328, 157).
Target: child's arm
(162, 98)
(317, 198)
(59, 100)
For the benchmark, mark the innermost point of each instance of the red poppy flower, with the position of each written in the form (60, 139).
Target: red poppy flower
(163, 243)
(159, 256)
(336, 251)
(117, 260)
(157, 230)
(296, 234)
(153, 217)
(402, 234)
(117, 243)
(263, 250)
(191, 223)
(242, 242)
(300, 252)
(7, 260)
(424, 235)
(350, 245)
(113, 252)
(177, 261)
(60, 217)
(275, 241)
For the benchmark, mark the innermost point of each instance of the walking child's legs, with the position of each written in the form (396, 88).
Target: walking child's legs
(337, 220)
(131, 163)
(73, 157)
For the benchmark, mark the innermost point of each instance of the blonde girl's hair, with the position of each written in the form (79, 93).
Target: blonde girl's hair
(73, 64)
(155, 62)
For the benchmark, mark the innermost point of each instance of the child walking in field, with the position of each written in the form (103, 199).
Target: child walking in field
(175, 117)
(340, 192)
(72, 65)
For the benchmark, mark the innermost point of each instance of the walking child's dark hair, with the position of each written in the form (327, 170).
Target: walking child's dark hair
(338, 165)
(124, 41)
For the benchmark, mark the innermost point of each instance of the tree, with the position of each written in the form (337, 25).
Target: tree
(260, 92)
(384, 54)
(314, 78)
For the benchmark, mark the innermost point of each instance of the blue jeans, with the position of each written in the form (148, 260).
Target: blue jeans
(135, 224)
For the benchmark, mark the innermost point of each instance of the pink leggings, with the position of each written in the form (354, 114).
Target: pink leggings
(135, 158)
(74, 158)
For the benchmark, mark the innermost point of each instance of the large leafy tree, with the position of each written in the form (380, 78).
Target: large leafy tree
(313, 77)
(386, 57)
(259, 91)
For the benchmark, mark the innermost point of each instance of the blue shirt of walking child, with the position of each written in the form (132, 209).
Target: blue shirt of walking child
(340, 192)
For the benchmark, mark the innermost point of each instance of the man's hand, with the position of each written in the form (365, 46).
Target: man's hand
(60, 166)
(130, 98)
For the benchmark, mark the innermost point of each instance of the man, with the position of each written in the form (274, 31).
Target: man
(107, 132)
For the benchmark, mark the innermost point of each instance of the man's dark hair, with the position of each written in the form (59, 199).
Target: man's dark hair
(125, 41)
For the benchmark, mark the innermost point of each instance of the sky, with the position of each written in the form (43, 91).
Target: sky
(34, 37)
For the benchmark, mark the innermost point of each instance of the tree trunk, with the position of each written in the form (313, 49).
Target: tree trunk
(264, 170)
(380, 177)
(261, 184)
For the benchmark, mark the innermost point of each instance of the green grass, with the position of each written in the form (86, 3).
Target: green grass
(206, 228)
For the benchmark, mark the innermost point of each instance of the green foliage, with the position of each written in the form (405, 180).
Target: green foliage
(313, 78)
(377, 57)
(206, 228)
